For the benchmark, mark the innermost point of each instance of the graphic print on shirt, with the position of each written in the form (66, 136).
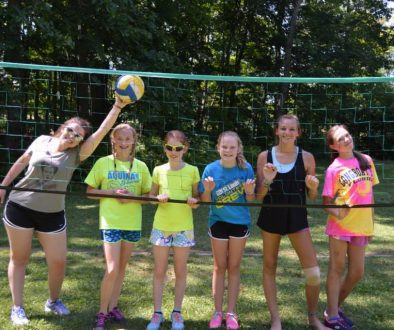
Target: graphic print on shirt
(355, 177)
(230, 192)
(122, 179)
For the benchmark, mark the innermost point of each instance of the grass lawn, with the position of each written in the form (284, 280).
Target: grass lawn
(370, 305)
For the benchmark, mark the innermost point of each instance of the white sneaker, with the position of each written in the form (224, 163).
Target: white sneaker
(18, 316)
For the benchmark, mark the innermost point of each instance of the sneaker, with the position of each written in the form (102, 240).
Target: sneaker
(18, 316)
(348, 321)
(116, 315)
(99, 324)
(155, 322)
(177, 321)
(336, 323)
(216, 320)
(231, 321)
(56, 307)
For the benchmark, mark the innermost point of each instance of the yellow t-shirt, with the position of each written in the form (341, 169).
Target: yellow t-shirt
(177, 185)
(104, 175)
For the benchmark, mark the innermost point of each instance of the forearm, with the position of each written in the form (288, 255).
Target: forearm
(13, 173)
(206, 196)
(312, 194)
(262, 189)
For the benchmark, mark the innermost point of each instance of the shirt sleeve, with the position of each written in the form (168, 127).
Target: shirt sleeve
(146, 180)
(94, 177)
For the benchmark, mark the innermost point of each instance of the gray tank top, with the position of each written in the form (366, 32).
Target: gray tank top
(47, 170)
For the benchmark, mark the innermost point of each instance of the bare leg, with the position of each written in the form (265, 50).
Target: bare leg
(220, 252)
(355, 273)
(125, 253)
(235, 253)
(181, 254)
(20, 251)
(161, 262)
(55, 248)
(271, 244)
(338, 250)
(302, 244)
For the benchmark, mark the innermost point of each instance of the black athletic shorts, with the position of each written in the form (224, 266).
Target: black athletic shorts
(18, 216)
(226, 230)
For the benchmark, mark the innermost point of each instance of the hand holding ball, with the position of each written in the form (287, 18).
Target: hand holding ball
(129, 88)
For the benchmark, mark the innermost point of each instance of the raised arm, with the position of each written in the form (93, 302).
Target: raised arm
(94, 140)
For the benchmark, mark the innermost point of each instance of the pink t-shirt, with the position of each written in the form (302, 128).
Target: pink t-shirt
(351, 186)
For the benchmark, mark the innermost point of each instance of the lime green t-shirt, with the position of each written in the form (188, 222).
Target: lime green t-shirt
(177, 185)
(104, 175)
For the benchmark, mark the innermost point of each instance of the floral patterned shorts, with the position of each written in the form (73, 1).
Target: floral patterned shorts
(184, 238)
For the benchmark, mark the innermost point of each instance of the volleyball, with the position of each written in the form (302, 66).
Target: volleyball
(129, 88)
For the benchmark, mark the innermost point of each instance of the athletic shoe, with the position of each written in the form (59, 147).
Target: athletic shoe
(348, 321)
(116, 315)
(336, 323)
(216, 320)
(99, 324)
(155, 322)
(177, 321)
(231, 321)
(56, 307)
(18, 316)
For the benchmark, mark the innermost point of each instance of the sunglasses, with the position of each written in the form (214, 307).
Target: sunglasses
(74, 134)
(170, 147)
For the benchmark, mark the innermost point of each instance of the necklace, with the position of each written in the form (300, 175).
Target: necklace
(130, 160)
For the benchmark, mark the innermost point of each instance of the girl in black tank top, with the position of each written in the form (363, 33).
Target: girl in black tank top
(282, 189)
(287, 188)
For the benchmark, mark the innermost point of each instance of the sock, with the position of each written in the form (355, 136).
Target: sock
(176, 311)
(158, 312)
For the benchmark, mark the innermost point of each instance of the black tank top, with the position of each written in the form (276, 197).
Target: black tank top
(287, 188)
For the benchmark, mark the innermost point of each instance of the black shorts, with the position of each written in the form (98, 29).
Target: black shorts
(226, 230)
(18, 216)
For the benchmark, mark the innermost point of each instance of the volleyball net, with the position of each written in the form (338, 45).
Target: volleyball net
(37, 99)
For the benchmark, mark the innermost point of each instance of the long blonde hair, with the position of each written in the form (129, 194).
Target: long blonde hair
(240, 158)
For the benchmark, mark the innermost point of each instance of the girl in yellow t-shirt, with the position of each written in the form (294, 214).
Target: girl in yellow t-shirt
(173, 223)
(120, 219)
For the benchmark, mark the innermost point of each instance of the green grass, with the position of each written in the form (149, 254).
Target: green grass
(370, 305)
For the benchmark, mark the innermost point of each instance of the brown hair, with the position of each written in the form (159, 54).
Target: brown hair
(86, 126)
(241, 160)
(363, 162)
(116, 129)
(178, 135)
(288, 116)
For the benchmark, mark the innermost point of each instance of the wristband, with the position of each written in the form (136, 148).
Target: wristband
(251, 193)
(266, 183)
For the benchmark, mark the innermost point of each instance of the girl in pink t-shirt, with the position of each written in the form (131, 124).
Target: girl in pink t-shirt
(349, 181)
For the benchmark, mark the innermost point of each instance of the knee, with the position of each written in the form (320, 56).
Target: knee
(220, 268)
(112, 272)
(233, 269)
(356, 275)
(19, 260)
(269, 267)
(312, 276)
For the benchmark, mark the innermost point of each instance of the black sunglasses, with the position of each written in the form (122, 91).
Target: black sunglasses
(170, 147)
